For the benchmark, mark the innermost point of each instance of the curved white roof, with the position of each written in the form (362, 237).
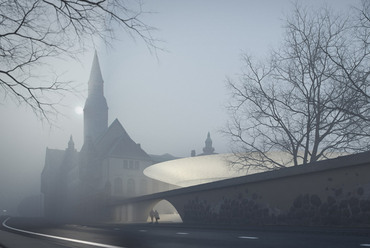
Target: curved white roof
(203, 169)
(194, 170)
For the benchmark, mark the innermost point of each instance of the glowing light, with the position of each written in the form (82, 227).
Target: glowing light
(195, 170)
(79, 110)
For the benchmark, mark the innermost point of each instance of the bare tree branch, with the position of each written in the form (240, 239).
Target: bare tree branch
(34, 31)
(312, 102)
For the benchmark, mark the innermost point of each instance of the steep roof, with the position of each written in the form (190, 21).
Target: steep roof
(95, 74)
(117, 143)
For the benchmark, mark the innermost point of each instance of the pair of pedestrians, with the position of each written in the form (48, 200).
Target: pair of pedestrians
(154, 214)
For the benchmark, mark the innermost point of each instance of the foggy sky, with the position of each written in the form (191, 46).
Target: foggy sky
(167, 103)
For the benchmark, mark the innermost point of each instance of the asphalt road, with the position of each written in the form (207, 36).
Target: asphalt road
(181, 236)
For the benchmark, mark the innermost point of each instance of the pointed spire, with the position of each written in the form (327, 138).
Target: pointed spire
(96, 79)
(208, 140)
(208, 149)
(96, 108)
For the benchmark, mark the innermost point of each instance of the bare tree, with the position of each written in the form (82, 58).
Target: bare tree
(33, 31)
(351, 54)
(294, 108)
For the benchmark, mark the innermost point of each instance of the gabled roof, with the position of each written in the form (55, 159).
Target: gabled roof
(117, 143)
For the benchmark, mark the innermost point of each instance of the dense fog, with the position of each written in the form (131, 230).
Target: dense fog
(167, 101)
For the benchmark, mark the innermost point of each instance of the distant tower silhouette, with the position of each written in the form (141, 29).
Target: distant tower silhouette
(208, 149)
(96, 108)
(192, 153)
(71, 144)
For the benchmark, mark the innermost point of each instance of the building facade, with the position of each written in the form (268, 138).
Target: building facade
(77, 185)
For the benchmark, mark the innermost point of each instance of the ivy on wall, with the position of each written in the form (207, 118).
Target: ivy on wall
(339, 208)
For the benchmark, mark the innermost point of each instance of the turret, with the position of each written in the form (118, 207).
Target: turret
(208, 149)
(71, 144)
(96, 108)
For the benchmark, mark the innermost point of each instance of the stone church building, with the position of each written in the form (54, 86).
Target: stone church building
(110, 165)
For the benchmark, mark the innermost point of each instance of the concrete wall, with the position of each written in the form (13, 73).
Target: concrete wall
(331, 192)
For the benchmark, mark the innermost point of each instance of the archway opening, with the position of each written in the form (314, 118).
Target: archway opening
(167, 212)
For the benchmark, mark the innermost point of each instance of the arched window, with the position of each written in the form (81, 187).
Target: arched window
(130, 187)
(118, 186)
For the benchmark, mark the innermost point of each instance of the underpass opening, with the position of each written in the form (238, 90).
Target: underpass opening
(167, 212)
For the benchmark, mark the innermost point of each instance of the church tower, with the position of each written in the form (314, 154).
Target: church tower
(96, 108)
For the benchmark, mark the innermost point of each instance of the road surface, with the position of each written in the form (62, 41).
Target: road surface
(42, 234)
